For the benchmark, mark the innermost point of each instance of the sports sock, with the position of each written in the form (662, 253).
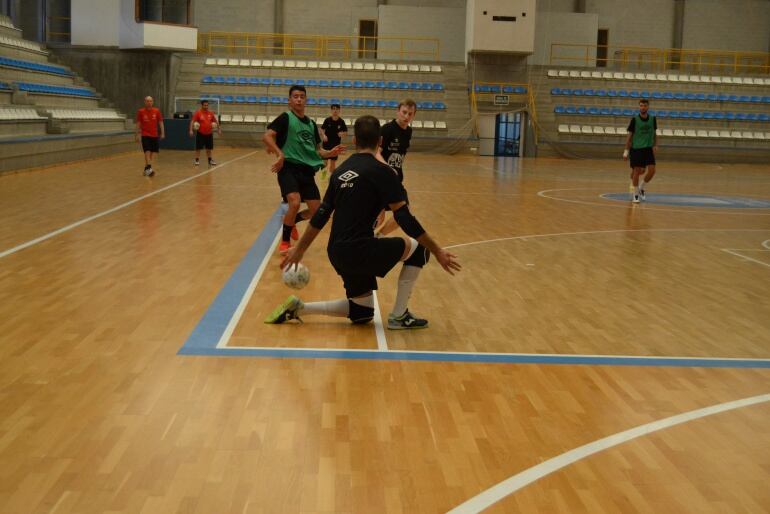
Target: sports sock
(337, 308)
(286, 232)
(406, 281)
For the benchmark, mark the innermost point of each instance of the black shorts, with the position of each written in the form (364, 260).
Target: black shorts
(359, 263)
(150, 144)
(328, 146)
(641, 157)
(204, 141)
(297, 178)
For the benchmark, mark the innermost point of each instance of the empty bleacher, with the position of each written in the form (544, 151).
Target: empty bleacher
(251, 92)
(695, 112)
(42, 104)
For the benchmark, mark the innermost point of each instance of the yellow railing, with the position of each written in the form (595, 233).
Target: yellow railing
(319, 46)
(660, 59)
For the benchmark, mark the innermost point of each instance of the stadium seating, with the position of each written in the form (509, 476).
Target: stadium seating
(659, 77)
(336, 83)
(34, 66)
(55, 90)
(325, 65)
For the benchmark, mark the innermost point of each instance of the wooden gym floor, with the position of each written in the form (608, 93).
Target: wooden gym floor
(136, 375)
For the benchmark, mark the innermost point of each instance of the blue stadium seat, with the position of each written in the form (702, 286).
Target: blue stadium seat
(673, 114)
(358, 84)
(723, 97)
(588, 92)
(756, 99)
(679, 96)
(240, 100)
(741, 116)
(380, 84)
(732, 98)
(577, 92)
(439, 105)
(425, 105)
(324, 83)
(312, 83)
(622, 93)
(708, 115)
(712, 97)
(277, 100)
(593, 111)
(668, 95)
(684, 115)
(208, 79)
(251, 99)
(335, 83)
(690, 96)
(555, 91)
(628, 112)
(570, 109)
(323, 101)
(657, 95)
(347, 84)
(719, 115)
(243, 81)
(370, 84)
(617, 111)
(347, 102)
(358, 102)
(600, 92)
(662, 114)
(415, 86)
(766, 99)
(312, 101)
(605, 111)
(230, 81)
(253, 81)
(763, 117)
(403, 85)
(335, 101)
(392, 104)
(582, 110)
(371, 103)
(382, 103)
(227, 99)
(219, 80)
(438, 86)
(634, 94)
(701, 97)
(751, 116)
(508, 90)
(696, 115)
(391, 85)
(264, 81)
(566, 92)
(483, 88)
(729, 116)
(611, 93)
(559, 109)
(744, 99)
(276, 81)
(494, 89)
(427, 86)
(263, 100)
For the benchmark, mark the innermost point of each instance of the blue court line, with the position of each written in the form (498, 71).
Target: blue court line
(214, 322)
(204, 338)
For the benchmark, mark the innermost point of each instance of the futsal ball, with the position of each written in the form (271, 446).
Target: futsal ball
(214, 124)
(196, 125)
(296, 276)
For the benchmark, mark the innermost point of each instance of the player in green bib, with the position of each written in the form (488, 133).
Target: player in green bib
(294, 139)
(641, 147)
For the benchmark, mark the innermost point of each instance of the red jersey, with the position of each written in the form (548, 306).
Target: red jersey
(149, 119)
(205, 118)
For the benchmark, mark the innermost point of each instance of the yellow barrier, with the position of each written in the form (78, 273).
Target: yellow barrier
(319, 46)
(660, 59)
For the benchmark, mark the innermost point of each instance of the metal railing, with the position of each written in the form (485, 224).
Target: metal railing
(319, 46)
(660, 59)
(58, 29)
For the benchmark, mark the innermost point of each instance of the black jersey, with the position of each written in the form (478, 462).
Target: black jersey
(395, 143)
(358, 191)
(332, 129)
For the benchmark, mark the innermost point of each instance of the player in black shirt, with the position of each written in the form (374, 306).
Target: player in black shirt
(332, 132)
(357, 192)
(396, 137)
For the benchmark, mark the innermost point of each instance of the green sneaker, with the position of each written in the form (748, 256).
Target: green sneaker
(286, 311)
(406, 322)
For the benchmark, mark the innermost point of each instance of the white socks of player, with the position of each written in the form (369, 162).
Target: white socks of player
(406, 281)
(337, 308)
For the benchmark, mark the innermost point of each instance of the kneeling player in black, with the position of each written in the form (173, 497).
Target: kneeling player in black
(357, 192)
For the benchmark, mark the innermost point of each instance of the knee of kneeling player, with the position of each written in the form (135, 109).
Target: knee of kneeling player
(359, 313)
(419, 258)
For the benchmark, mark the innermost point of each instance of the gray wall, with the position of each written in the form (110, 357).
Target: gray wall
(125, 77)
(740, 25)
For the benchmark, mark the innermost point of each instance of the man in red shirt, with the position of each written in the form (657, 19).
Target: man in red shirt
(207, 122)
(147, 121)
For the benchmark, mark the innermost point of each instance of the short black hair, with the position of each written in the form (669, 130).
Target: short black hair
(367, 132)
(644, 101)
(204, 101)
(334, 106)
(297, 87)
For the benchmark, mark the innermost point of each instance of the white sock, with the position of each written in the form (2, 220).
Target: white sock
(406, 280)
(636, 190)
(643, 186)
(337, 308)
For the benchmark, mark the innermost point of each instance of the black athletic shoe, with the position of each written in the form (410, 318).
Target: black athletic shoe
(148, 171)
(406, 322)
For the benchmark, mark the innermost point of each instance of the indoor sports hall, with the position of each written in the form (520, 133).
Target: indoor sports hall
(605, 347)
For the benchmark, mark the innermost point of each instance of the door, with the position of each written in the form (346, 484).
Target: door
(508, 134)
(367, 39)
(602, 39)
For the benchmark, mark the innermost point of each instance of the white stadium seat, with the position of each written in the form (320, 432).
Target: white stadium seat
(210, 61)
(724, 134)
(428, 124)
(416, 124)
(250, 118)
(424, 68)
(574, 129)
(563, 129)
(441, 125)
(598, 130)
(435, 68)
(553, 74)
(346, 66)
(245, 62)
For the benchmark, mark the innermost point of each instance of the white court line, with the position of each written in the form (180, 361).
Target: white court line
(115, 209)
(766, 244)
(246, 298)
(382, 343)
(733, 252)
(648, 207)
(618, 231)
(509, 486)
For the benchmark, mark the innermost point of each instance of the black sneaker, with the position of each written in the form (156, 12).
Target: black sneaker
(406, 321)
(642, 195)
(286, 311)
(148, 171)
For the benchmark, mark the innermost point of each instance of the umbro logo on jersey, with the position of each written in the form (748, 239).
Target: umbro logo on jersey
(348, 176)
